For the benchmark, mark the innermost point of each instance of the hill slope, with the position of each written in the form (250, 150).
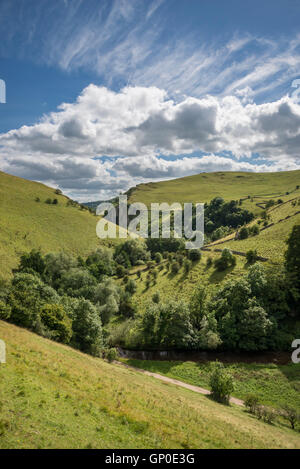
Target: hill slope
(204, 187)
(27, 224)
(55, 397)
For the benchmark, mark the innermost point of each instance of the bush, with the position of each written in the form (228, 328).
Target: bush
(251, 256)
(48, 201)
(131, 287)
(209, 262)
(175, 267)
(111, 354)
(244, 232)
(221, 383)
(226, 260)
(255, 230)
(57, 322)
(195, 255)
(252, 402)
(55, 202)
(158, 257)
(120, 271)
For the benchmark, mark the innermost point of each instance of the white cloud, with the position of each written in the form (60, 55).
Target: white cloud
(132, 127)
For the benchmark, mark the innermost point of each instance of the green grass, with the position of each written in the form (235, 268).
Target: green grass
(270, 243)
(52, 396)
(275, 385)
(182, 285)
(229, 185)
(26, 224)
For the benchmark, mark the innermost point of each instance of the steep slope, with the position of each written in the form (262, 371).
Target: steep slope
(27, 223)
(55, 397)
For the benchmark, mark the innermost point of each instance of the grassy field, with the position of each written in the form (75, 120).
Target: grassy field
(27, 224)
(182, 285)
(52, 396)
(228, 185)
(271, 242)
(275, 385)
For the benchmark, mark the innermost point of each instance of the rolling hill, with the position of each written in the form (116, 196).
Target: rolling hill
(52, 396)
(28, 222)
(204, 187)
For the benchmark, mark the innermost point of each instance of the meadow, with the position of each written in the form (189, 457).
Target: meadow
(275, 385)
(52, 396)
(28, 222)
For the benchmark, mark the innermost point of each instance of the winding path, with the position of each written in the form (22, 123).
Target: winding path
(166, 379)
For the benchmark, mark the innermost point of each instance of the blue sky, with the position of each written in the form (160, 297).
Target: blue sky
(102, 95)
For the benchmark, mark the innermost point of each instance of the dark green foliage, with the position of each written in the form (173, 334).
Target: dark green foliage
(244, 232)
(32, 260)
(77, 283)
(221, 383)
(120, 271)
(48, 201)
(175, 267)
(251, 256)
(226, 260)
(165, 245)
(126, 307)
(27, 297)
(56, 320)
(194, 255)
(54, 201)
(130, 252)
(101, 263)
(158, 257)
(167, 326)
(87, 329)
(111, 354)
(219, 213)
(292, 260)
(131, 287)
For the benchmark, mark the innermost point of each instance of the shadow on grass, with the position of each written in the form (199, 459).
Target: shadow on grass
(218, 276)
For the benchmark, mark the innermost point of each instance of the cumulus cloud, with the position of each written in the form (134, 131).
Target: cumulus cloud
(136, 125)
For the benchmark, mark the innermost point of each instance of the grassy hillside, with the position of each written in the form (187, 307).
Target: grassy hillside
(182, 285)
(275, 385)
(271, 242)
(229, 185)
(27, 224)
(52, 396)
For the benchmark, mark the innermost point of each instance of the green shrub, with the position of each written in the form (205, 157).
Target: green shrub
(221, 383)
(57, 322)
(131, 287)
(195, 255)
(251, 403)
(111, 354)
(251, 256)
(158, 257)
(244, 232)
(175, 267)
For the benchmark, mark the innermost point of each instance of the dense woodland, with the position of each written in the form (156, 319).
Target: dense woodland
(75, 300)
